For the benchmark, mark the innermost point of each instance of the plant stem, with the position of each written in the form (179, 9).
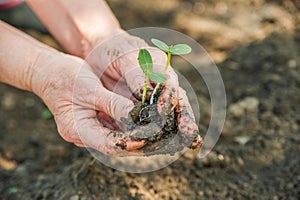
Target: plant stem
(153, 93)
(158, 84)
(145, 89)
(168, 62)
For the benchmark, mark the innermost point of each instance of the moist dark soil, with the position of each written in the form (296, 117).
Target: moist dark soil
(161, 134)
(256, 46)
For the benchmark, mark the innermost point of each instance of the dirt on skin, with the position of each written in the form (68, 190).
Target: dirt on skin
(256, 45)
(160, 131)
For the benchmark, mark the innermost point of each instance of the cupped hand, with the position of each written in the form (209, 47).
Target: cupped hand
(115, 62)
(75, 96)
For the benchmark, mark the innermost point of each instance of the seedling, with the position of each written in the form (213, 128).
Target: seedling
(178, 49)
(160, 136)
(145, 61)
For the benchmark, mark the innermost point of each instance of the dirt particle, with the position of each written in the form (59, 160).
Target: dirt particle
(248, 104)
(160, 131)
(9, 101)
(122, 145)
(74, 197)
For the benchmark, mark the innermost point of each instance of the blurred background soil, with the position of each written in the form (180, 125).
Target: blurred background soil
(256, 46)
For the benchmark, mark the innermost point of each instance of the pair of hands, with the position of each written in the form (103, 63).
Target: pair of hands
(88, 112)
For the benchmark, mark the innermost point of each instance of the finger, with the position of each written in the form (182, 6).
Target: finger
(186, 122)
(118, 86)
(168, 98)
(65, 127)
(96, 136)
(116, 106)
(135, 78)
(87, 131)
(90, 93)
(121, 153)
(79, 144)
(107, 121)
(128, 66)
(121, 61)
(110, 123)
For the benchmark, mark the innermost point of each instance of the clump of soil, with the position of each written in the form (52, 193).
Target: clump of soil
(160, 132)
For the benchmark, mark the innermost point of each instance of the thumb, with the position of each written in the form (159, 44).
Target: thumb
(114, 105)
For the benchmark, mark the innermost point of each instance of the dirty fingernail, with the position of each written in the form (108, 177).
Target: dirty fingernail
(133, 145)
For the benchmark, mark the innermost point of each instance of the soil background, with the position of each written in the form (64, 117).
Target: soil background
(256, 46)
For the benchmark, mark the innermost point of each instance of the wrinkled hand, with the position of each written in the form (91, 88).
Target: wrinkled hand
(115, 61)
(75, 96)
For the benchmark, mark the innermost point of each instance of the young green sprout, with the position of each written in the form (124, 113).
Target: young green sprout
(177, 49)
(145, 62)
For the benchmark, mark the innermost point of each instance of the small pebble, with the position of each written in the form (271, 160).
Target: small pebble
(275, 197)
(233, 65)
(74, 197)
(236, 110)
(220, 157)
(248, 104)
(292, 64)
(240, 161)
(242, 139)
(290, 186)
(9, 101)
(201, 193)
(29, 102)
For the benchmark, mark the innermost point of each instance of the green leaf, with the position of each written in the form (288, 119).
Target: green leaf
(157, 77)
(160, 44)
(145, 61)
(180, 49)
